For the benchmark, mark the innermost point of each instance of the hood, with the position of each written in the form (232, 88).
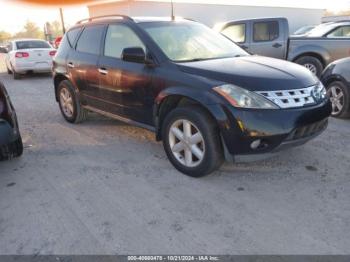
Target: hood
(255, 73)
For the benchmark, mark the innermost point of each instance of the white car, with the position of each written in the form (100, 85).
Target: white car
(29, 55)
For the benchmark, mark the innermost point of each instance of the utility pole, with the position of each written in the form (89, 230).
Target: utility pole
(62, 21)
(172, 11)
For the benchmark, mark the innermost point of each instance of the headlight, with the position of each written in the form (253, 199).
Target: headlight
(319, 92)
(240, 97)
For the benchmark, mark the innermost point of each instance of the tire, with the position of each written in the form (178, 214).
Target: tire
(8, 71)
(16, 75)
(15, 149)
(79, 113)
(210, 136)
(339, 89)
(312, 63)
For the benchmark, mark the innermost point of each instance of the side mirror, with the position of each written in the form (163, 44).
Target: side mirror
(3, 50)
(134, 54)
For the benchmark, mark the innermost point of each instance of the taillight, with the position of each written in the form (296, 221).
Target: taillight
(21, 54)
(52, 53)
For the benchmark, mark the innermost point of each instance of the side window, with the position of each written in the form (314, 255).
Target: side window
(265, 31)
(119, 37)
(235, 32)
(340, 32)
(72, 35)
(90, 40)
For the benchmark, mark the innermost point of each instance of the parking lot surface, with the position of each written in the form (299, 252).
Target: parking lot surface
(104, 187)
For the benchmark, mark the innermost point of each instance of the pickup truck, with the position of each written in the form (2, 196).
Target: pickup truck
(270, 37)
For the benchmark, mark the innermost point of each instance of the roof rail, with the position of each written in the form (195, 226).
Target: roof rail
(105, 16)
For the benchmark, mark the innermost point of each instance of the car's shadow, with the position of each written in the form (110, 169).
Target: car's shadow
(32, 75)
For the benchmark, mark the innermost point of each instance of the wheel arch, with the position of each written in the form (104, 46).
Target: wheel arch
(334, 78)
(173, 97)
(312, 54)
(57, 80)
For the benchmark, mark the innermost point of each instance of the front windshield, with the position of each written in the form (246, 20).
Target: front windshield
(188, 41)
(321, 30)
(304, 30)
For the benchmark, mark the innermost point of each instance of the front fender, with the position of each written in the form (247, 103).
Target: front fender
(214, 104)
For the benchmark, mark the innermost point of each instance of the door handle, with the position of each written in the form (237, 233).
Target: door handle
(244, 47)
(277, 45)
(70, 65)
(103, 71)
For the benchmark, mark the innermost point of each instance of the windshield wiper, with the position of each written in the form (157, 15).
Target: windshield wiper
(192, 60)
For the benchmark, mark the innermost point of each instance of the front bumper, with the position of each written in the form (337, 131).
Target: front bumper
(275, 129)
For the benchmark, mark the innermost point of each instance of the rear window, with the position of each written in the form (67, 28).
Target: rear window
(266, 31)
(90, 40)
(32, 44)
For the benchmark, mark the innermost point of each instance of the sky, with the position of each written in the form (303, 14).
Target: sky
(14, 14)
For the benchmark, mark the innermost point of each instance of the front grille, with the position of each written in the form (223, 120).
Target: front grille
(290, 98)
(309, 130)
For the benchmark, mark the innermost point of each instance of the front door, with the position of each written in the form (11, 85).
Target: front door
(125, 87)
(267, 40)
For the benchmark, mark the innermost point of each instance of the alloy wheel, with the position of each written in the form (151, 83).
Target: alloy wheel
(336, 96)
(186, 143)
(311, 67)
(66, 101)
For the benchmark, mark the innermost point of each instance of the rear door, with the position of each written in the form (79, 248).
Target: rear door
(82, 63)
(125, 87)
(268, 38)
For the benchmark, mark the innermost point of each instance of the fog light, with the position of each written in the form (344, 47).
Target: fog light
(255, 144)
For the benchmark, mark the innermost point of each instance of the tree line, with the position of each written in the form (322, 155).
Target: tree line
(32, 30)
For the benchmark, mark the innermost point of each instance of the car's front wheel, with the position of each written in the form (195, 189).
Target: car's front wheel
(191, 141)
(339, 95)
(69, 103)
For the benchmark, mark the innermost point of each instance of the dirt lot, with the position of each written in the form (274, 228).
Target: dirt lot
(103, 187)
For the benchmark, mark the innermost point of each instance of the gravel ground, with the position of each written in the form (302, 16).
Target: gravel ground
(104, 187)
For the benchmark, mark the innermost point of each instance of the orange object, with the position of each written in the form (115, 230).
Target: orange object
(55, 2)
(57, 41)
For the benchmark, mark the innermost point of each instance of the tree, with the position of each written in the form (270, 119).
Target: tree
(56, 29)
(31, 30)
(341, 13)
(4, 36)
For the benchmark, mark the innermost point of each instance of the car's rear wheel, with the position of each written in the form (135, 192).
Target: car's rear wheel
(339, 95)
(69, 103)
(311, 63)
(14, 149)
(191, 141)
(16, 75)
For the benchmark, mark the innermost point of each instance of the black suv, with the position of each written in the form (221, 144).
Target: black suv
(204, 96)
(10, 138)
